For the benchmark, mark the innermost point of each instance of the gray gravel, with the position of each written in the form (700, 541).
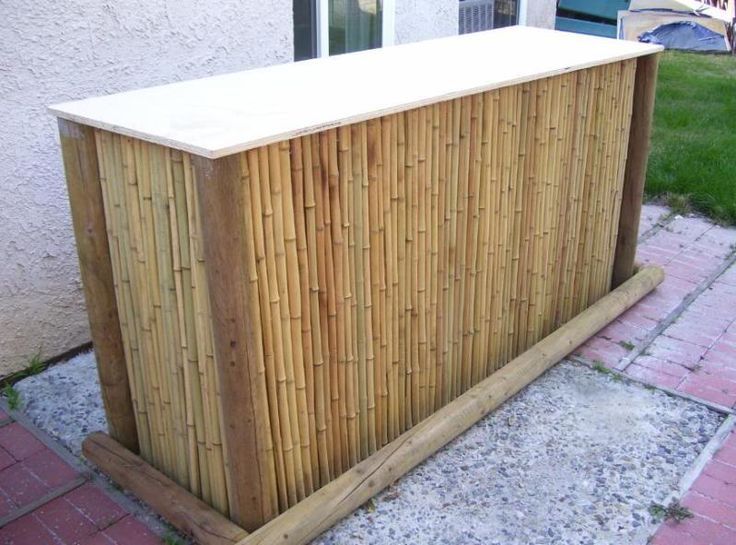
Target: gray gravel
(576, 458)
(65, 401)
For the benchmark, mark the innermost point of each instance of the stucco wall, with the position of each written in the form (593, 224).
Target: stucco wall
(425, 19)
(541, 13)
(57, 51)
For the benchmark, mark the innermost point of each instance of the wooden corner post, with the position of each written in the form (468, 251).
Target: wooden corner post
(636, 168)
(226, 248)
(88, 217)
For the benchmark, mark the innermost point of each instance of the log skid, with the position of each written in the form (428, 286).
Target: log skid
(185, 512)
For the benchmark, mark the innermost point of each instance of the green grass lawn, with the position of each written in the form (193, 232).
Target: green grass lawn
(693, 157)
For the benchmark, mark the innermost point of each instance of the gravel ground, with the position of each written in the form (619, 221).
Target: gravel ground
(576, 458)
(65, 401)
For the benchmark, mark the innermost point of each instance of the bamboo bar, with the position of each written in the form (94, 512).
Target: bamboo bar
(298, 287)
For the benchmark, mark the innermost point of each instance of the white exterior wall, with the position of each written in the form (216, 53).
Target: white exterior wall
(541, 13)
(57, 51)
(417, 20)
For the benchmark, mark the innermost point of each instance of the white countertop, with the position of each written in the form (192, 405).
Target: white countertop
(222, 115)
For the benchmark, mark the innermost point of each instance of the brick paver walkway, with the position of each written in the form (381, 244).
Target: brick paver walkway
(46, 501)
(681, 337)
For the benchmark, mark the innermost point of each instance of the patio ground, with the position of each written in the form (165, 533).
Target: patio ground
(557, 485)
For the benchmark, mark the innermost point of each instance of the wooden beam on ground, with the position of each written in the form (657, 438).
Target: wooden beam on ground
(88, 217)
(313, 515)
(636, 168)
(185, 512)
(219, 186)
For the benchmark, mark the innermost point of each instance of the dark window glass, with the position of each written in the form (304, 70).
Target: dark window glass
(355, 25)
(305, 29)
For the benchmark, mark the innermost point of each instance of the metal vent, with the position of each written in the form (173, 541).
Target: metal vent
(476, 15)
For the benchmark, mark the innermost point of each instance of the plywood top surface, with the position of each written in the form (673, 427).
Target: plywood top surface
(222, 115)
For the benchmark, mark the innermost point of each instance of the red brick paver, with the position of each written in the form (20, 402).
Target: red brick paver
(696, 354)
(29, 470)
(712, 500)
(18, 441)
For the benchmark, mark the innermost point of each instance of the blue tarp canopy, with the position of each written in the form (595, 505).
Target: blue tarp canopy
(685, 35)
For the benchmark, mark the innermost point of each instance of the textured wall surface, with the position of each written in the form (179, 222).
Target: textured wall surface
(56, 51)
(541, 13)
(425, 19)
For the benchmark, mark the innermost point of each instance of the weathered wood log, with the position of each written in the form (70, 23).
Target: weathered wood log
(242, 384)
(185, 512)
(325, 507)
(636, 167)
(88, 217)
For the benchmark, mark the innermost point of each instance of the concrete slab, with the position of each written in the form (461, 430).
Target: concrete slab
(577, 458)
(65, 401)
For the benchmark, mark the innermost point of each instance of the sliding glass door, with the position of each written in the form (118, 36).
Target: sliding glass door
(332, 27)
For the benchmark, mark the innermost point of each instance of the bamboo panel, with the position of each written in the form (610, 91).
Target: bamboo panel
(394, 263)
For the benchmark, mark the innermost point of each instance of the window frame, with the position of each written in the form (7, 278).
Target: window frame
(521, 20)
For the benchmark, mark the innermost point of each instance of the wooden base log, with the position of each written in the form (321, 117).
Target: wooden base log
(328, 505)
(185, 512)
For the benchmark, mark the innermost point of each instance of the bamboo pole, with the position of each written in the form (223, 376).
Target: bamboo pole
(321, 303)
(280, 425)
(305, 319)
(395, 393)
(281, 192)
(328, 167)
(321, 398)
(278, 299)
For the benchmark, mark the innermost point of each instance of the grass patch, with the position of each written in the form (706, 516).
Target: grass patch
(598, 366)
(673, 511)
(171, 538)
(12, 396)
(34, 367)
(692, 163)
